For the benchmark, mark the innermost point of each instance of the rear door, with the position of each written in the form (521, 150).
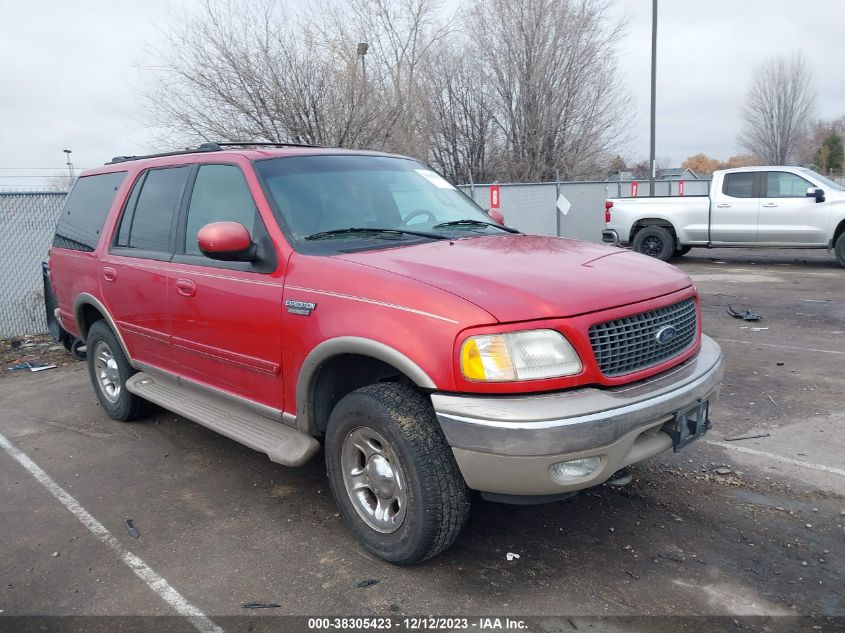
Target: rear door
(735, 208)
(134, 272)
(787, 216)
(227, 316)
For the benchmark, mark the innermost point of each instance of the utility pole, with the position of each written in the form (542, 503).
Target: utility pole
(363, 47)
(69, 165)
(652, 161)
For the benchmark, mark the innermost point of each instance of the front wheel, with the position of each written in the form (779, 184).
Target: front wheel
(655, 241)
(393, 475)
(680, 252)
(839, 250)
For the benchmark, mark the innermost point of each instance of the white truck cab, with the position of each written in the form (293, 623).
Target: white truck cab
(783, 207)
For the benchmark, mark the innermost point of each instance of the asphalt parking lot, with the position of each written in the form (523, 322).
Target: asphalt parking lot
(741, 528)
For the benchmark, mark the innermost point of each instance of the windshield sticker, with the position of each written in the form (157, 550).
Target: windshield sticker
(434, 178)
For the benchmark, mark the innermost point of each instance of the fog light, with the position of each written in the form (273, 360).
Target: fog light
(562, 472)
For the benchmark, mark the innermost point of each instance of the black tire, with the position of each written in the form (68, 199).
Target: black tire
(655, 241)
(120, 404)
(680, 252)
(839, 250)
(437, 499)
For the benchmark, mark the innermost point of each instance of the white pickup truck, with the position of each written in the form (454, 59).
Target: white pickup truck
(783, 207)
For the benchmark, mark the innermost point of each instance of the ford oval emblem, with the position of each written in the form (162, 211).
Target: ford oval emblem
(666, 334)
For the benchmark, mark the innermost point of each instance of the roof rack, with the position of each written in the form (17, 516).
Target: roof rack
(206, 147)
(262, 144)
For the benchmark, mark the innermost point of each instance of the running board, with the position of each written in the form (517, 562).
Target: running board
(282, 444)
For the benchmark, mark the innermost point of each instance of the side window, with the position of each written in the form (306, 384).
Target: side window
(126, 219)
(220, 194)
(782, 184)
(739, 185)
(151, 219)
(85, 211)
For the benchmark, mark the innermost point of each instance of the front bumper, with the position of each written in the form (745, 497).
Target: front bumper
(507, 444)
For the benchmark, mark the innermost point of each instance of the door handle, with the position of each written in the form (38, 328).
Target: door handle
(770, 204)
(723, 205)
(186, 287)
(109, 273)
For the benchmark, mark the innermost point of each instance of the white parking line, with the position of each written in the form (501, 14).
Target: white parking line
(779, 458)
(146, 573)
(800, 349)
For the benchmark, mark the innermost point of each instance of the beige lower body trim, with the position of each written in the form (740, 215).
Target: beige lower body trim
(530, 475)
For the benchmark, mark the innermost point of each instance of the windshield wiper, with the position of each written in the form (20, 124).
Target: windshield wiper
(322, 235)
(470, 222)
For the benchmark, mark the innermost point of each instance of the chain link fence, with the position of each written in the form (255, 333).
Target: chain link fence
(27, 223)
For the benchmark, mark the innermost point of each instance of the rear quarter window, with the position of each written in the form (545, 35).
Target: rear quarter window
(85, 211)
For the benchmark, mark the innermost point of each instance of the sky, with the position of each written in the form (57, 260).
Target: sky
(72, 74)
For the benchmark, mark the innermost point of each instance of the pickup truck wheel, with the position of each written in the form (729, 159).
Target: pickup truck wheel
(109, 370)
(655, 241)
(680, 252)
(839, 250)
(393, 474)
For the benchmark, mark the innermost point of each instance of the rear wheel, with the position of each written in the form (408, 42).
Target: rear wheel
(393, 475)
(839, 250)
(655, 241)
(109, 370)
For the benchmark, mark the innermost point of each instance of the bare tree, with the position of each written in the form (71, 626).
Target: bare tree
(401, 35)
(778, 108)
(559, 105)
(247, 70)
(460, 121)
(541, 98)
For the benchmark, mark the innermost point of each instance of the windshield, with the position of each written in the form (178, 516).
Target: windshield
(827, 182)
(400, 199)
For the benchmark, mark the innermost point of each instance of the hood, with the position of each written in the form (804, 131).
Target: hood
(523, 277)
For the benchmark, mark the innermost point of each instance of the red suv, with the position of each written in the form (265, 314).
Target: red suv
(289, 297)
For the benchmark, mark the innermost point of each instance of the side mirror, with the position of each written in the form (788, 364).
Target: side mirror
(496, 216)
(816, 193)
(226, 241)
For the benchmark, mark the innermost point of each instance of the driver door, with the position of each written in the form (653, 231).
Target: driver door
(788, 217)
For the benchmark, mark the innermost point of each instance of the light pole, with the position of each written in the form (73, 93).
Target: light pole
(69, 164)
(652, 161)
(363, 47)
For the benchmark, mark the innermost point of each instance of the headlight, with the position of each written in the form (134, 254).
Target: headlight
(528, 355)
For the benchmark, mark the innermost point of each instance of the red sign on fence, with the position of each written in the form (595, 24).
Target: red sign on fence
(680, 187)
(494, 196)
(635, 188)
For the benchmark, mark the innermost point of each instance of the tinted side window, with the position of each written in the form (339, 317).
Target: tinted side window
(85, 211)
(157, 204)
(782, 184)
(739, 185)
(126, 218)
(220, 194)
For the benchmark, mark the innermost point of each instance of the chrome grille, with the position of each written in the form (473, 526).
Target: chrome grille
(629, 344)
